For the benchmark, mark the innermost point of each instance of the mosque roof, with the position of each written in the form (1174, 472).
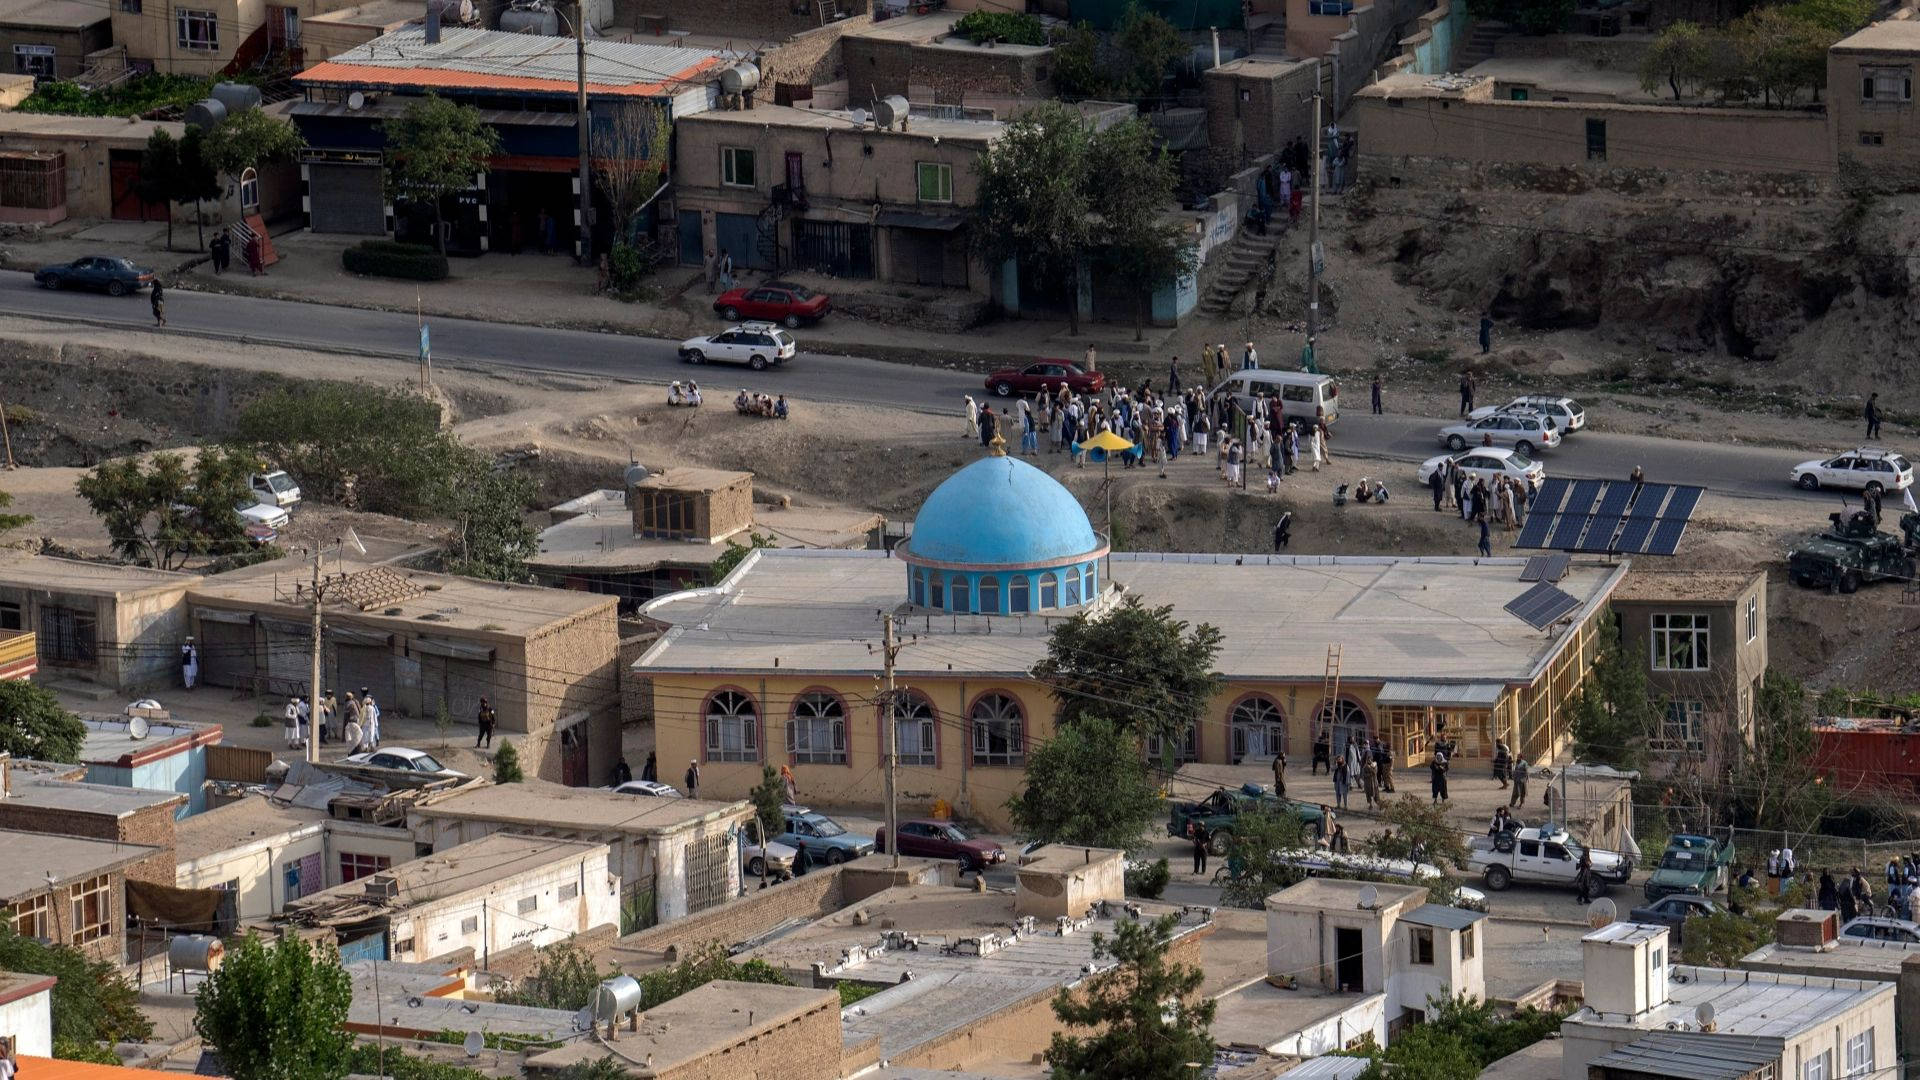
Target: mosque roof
(1001, 511)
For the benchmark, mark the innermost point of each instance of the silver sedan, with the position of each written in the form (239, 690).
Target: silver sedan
(1527, 432)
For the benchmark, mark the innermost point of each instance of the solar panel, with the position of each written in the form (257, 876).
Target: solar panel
(1642, 518)
(1536, 568)
(1599, 534)
(1673, 521)
(1540, 513)
(1542, 605)
(1609, 517)
(1575, 516)
(1556, 567)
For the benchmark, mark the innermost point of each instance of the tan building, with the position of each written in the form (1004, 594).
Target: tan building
(99, 812)
(69, 890)
(422, 642)
(775, 186)
(724, 1030)
(1870, 98)
(50, 39)
(213, 37)
(919, 58)
(327, 34)
(1703, 639)
(269, 854)
(117, 626)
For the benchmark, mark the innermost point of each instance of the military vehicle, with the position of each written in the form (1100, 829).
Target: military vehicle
(1853, 553)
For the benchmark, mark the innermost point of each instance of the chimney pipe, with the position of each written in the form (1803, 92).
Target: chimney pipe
(433, 22)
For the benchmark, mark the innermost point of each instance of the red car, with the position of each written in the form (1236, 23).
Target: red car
(931, 839)
(774, 301)
(1045, 375)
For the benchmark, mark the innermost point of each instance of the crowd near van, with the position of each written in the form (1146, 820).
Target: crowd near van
(1303, 395)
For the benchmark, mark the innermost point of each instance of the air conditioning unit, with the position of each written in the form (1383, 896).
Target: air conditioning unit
(1806, 928)
(384, 886)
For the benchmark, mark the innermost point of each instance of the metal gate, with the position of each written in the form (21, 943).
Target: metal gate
(358, 662)
(708, 860)
(289, 658)
(347, 199)
(831, 247)
(928, 257)
(739, 236)
(226, 650)
(691, 251)
(459, 684)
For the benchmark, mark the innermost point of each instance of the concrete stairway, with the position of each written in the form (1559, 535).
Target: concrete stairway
(1270, 40)
(1245, 260)
(1479, 44)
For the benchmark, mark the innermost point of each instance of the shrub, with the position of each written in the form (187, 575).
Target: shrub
(386, 258)
(1148, 880)
(624, 268)
(506, 764)
(1012, 27)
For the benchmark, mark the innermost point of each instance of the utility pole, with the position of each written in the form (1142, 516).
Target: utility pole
(889, 649)
(5, 436)
(313, 688)
(580, 121)
(1313, 232)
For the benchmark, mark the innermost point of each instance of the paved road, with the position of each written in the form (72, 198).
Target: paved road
(1739, 470)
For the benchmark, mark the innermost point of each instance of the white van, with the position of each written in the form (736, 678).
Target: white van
(1301, 394)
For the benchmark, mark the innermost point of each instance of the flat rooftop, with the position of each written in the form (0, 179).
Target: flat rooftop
(786, 116)
(435, 604)
(547, 805)
(53, 14)
(107, 800)
(1566, 76)
(1701, 585)
(110, 739)
(1887, 35)
(700, 1022)
(77, 576)
(378, 14)
(601, 536)
(464, 868)
(1441, 619)
(466, 58)
(934, 31)
(15, 985)
(1749, 1002)
(1849, 958)
(1261, 67)
(1339, 894)
(1260, 1015)
(427, 998)
(238, 824)
(33, 858)
(692, 478)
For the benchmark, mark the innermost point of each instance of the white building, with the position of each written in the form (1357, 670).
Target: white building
(26, 1012)
(1817, 1028)
(269, 854)
(497, 892)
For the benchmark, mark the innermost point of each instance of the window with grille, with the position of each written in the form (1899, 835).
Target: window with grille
(1680, 642)
(354, 865)
(33, 918)
(92, 909)
(1049, 591)
(1018, 593)
(917, 742)
(1069, 587)
(999, 731)
(990, 596)
(736, 166)
(960, 597)
(34, 60)
(666, 515)
(733, 728)
(1886, 84)
(817, 734)
(198, 29)
(1187, 749)
(1259, 729)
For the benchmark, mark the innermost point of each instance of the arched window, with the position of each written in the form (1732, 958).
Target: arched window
(960, 596)
(917, 586)
(1187, 749)
(936, 590)
(999, 730)
(1339, 721)
(918, 731)
(989, 595)
(817, 734)
(733, 727)
(1017, 593)
(1049, 591)
(1259, 729)
(1069, 587)
(1086, 582)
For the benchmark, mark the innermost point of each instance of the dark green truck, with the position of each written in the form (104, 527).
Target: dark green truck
(1218, 812)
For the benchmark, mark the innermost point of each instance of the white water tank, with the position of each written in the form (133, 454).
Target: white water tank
(739, 78)
(616, 998)
(890, 111)
(195, 952)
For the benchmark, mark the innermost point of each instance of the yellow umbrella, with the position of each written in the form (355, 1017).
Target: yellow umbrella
(1107, 441)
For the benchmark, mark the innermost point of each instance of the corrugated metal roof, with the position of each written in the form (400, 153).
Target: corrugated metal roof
(1694, 1055)
(1328, 1068)
(497, 60)
(1442, 916)
(1440, 695)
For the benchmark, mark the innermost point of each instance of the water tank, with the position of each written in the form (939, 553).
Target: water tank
(890, 111)
(237, 97)
(195, 952)
(739, 78)
(615, 998)
(206, 113)
(531, 19)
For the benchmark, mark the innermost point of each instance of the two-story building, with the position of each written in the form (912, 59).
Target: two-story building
(213, 37)
(69, 890)
(1870, 97)
(1702, 637)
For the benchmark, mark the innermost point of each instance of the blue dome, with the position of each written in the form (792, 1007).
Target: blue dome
(1002, 512)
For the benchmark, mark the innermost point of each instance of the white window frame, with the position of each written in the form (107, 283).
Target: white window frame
(940, 173)
(730, 157)
(184, 22)
(1891, 84)
(918, 739)
(732, 727)
(999, 715)
(1681, 727)
(1818, 1066)
(1685, 637)
(1753, 618)
(1860, 1061)
(33, 917)
(817, 731)
(98, 889)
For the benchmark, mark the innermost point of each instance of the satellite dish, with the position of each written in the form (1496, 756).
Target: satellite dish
(137, 727)
(352, 537)
(1369, 897)
(1601, 913)
(636, 473)
(356, 101)
(1703, 1012)
(473, 1043)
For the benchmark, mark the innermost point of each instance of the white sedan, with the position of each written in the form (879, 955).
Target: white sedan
(1865, 469)
(647, 787)
(1566, 414)
(757, 345)
(1523, 430)
(404, 759)
(1486, 463)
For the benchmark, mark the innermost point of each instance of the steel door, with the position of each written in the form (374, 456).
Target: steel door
(226, 654)
(370, 666)
(738, 235)
(691, 251)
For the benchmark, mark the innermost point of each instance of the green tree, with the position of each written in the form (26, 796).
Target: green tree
(34, 725)
(1086, 785)
(1412, 820)
(1031, 207)
(276, 1012)
(1773, 784)
(249, 139)
(1531, 16)
(564, 978)
(1253, 874)
(1079, 70)
(93, 1006)
(1145, 47)
(1616, 712)
(1136, 666)
(506, 764)
(706, 963)
(630, 144)
(434, 149)
(1837, 17)
(1135, 181)
(736, 553)
(768, 796)
(1782, 53)
(165, 511)
(175, 171)
(491, 537)
(9, 522)
(1722, 938)
(1461, 1037)
(364, 447)
(1147, 1016)
(1679, 55)
(1008, 27)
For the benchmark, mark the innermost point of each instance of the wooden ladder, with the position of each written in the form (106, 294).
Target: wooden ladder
(1330, 691)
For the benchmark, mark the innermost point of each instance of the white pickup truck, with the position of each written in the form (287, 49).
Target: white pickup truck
(1547, 856)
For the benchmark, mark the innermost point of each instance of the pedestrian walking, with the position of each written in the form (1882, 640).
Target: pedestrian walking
(1502, 760)
(1376, 396)
(1437, 768)
(1519, 796)
(1280, 774)
(622, 772)
(1873, 416)
(1486, 334)
(256, 256)
(1829, 894)
(1283, 531)
(788, 786)
(1093, 360)
(1342, 781)
(189, 664)
(1486, 540)
(713, 270)
(1323, 753)
(692, 779)
(987, 423)
(1250, 360)
(370, 719)
(292, 718)
(1466, 392)
(1198, 834)
(726, 270)
(1369, 782)
(651, 770)
(350, 720)
(221, 251)
(485, 719)
(329, 708)
(1382, 764)
(1583, 875)
(157, 297)
(1173, 377)
(973, 418)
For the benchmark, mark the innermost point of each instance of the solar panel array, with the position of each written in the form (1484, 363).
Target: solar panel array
(1545, 568)
(1543, 605)
(1608, 517)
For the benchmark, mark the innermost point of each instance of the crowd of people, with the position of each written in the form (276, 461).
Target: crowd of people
(687, 394)
(359, 720)
(763, 405)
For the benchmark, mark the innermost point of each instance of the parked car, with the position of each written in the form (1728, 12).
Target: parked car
(404, 759)
(647, 787)
(1881, 928)
(774, 301)
(274, 488)
(757, 345)
(116, 276)
(1219, 812)
(1047, 375)
(1691, 864)
(263, 514)
(1865, 469)
(777, 858)
(1486, 463)
(1304, 396)
(1526, 432)
(930, 839)
(1565, 414)
(824, 837)
(1548, 856)
(1673, 912)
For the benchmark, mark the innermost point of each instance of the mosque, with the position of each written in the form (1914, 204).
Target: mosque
(780, 663)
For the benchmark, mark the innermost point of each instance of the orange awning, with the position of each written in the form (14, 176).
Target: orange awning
(39, 1068)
